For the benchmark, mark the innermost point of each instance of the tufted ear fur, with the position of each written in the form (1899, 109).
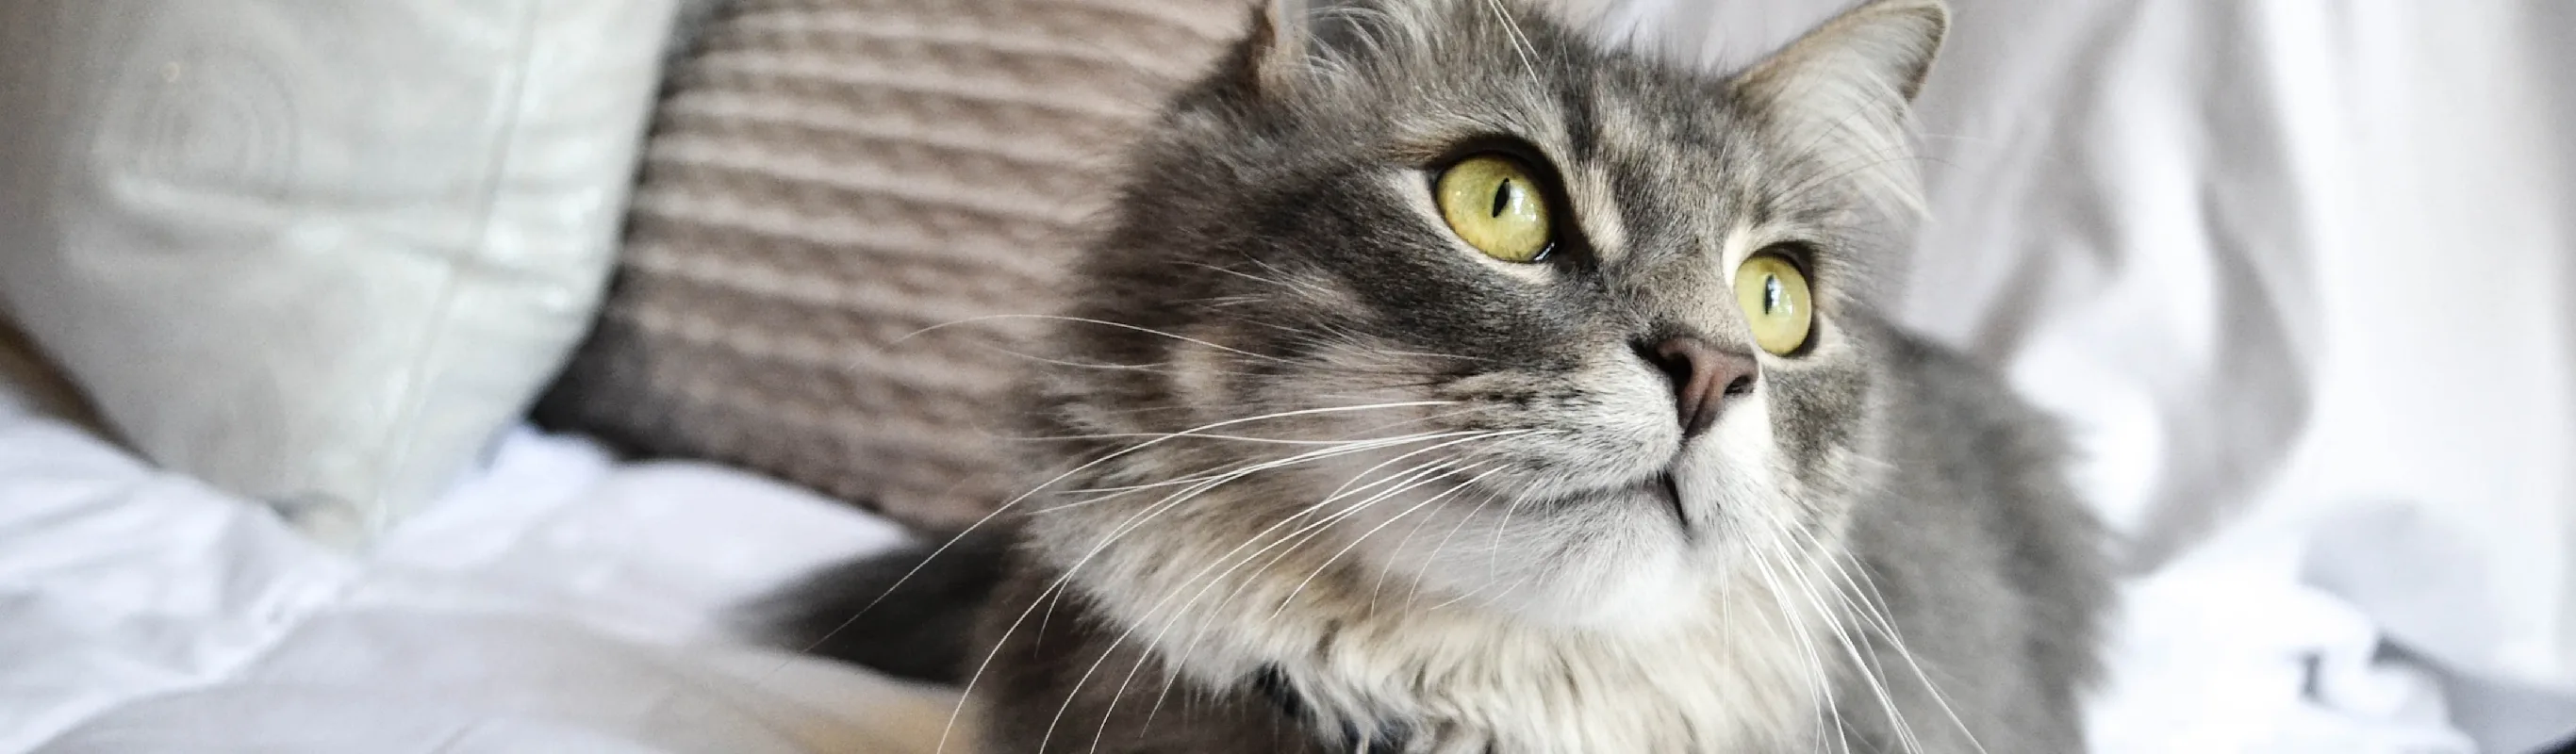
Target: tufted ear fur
(1851, 82)
(1883, 47)
(1291, 38)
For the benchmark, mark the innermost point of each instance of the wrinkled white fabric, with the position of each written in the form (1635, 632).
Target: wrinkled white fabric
(557, 604)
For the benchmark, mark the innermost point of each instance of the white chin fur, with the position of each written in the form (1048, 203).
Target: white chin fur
(1621, 561)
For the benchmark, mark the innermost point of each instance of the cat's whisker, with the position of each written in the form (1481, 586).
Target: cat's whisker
(1497, 586)
(1133, 523)
(1330, 500)
(1776, 530)
(1305, 533)
(1309, 532)
(1346, 489)
(1007, 505)
(968, 692)
(1462, 408)
(1434, 557)
(1227, 438)
(1231, 271)
(1177, 615)
(1430, 377)
(1154, 367)
(1083, 320)
(1874, 614)
(1863, 663)
(1378, 587)
(1764, 550)
(1284, 602)
(1211, 582)
(1348, 438)
(1795, 628)
(1520, 42)
(1292, 539)
(1241, 470)
(1221, 559)
(1309, 288)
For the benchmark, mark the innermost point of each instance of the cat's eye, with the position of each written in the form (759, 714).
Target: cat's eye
(1493, 203)
(1776, 302)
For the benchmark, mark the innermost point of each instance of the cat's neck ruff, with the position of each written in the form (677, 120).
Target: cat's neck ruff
(1748, 665)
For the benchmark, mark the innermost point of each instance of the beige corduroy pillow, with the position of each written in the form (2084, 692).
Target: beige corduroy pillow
(842, 202)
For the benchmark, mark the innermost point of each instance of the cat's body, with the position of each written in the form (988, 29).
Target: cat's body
(1326, 476)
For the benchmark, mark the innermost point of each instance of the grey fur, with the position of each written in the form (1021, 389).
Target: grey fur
(1875, 521)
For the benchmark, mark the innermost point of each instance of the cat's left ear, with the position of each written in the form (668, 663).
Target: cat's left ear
(1874, 54)
(1850, 84)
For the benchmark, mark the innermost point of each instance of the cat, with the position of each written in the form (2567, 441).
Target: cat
(1445, 380)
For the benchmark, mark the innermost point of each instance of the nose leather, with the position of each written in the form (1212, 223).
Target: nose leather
(1704, 378)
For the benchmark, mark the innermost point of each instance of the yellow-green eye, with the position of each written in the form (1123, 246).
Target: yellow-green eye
(1493, 203)
(1775, 299)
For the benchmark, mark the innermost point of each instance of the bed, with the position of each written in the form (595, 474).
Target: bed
(2297, 275)
(557, 601)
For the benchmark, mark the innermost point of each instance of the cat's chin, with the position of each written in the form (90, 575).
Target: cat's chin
(1617, 560)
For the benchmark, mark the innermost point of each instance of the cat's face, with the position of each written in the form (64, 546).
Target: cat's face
(1492, 314)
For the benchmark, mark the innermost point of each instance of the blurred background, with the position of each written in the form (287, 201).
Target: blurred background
(414, 376)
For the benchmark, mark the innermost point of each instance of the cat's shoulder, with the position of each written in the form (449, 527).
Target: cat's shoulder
(1955, 393)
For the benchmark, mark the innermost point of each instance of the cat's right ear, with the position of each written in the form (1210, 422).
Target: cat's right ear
(1281, 32)
(1292, 39)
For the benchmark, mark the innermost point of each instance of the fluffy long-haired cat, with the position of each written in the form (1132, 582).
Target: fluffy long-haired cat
(1445, 381)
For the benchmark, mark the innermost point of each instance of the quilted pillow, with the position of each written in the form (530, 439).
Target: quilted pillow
(843, 202)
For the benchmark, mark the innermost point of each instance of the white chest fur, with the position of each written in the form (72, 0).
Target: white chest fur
(1746, 669)
(1746, 677)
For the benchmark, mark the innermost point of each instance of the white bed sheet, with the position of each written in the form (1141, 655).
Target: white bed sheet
(558, 603)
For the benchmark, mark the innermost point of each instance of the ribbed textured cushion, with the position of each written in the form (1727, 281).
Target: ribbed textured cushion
(839, 199)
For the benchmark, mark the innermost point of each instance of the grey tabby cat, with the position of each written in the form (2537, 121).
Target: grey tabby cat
(1446, 382)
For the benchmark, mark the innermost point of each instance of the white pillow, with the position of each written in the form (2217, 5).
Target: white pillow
(317, 253)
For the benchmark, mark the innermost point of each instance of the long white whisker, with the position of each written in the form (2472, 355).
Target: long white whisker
(1133, 523)
(1760, 556)
(1084, 320)
(1221, 559)
(1355, 542)
(1874, 613)
(1520, 42)
(1292, 539)
(1042, 486)
(1776, 530)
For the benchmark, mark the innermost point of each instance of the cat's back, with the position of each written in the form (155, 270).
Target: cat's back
(1982, 557)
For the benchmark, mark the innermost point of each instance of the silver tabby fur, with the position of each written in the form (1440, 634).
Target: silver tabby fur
(1323, 478)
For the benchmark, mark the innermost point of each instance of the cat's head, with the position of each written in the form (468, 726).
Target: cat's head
(1450, 295)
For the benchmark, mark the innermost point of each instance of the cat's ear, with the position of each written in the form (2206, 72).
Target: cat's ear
(1877, 53)
(1851, 83)
(1281, 31)
(1291, 39)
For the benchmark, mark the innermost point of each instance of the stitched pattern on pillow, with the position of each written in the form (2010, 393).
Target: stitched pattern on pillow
(841, 203)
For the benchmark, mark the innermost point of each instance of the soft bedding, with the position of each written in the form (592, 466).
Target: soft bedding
(557, 603)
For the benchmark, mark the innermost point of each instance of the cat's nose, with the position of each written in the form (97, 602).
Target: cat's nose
(1704, 378)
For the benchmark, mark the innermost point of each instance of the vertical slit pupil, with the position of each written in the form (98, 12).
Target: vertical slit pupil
(1502, 197)
(1774, 297)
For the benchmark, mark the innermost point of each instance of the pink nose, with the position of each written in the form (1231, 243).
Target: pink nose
(1704, 378)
